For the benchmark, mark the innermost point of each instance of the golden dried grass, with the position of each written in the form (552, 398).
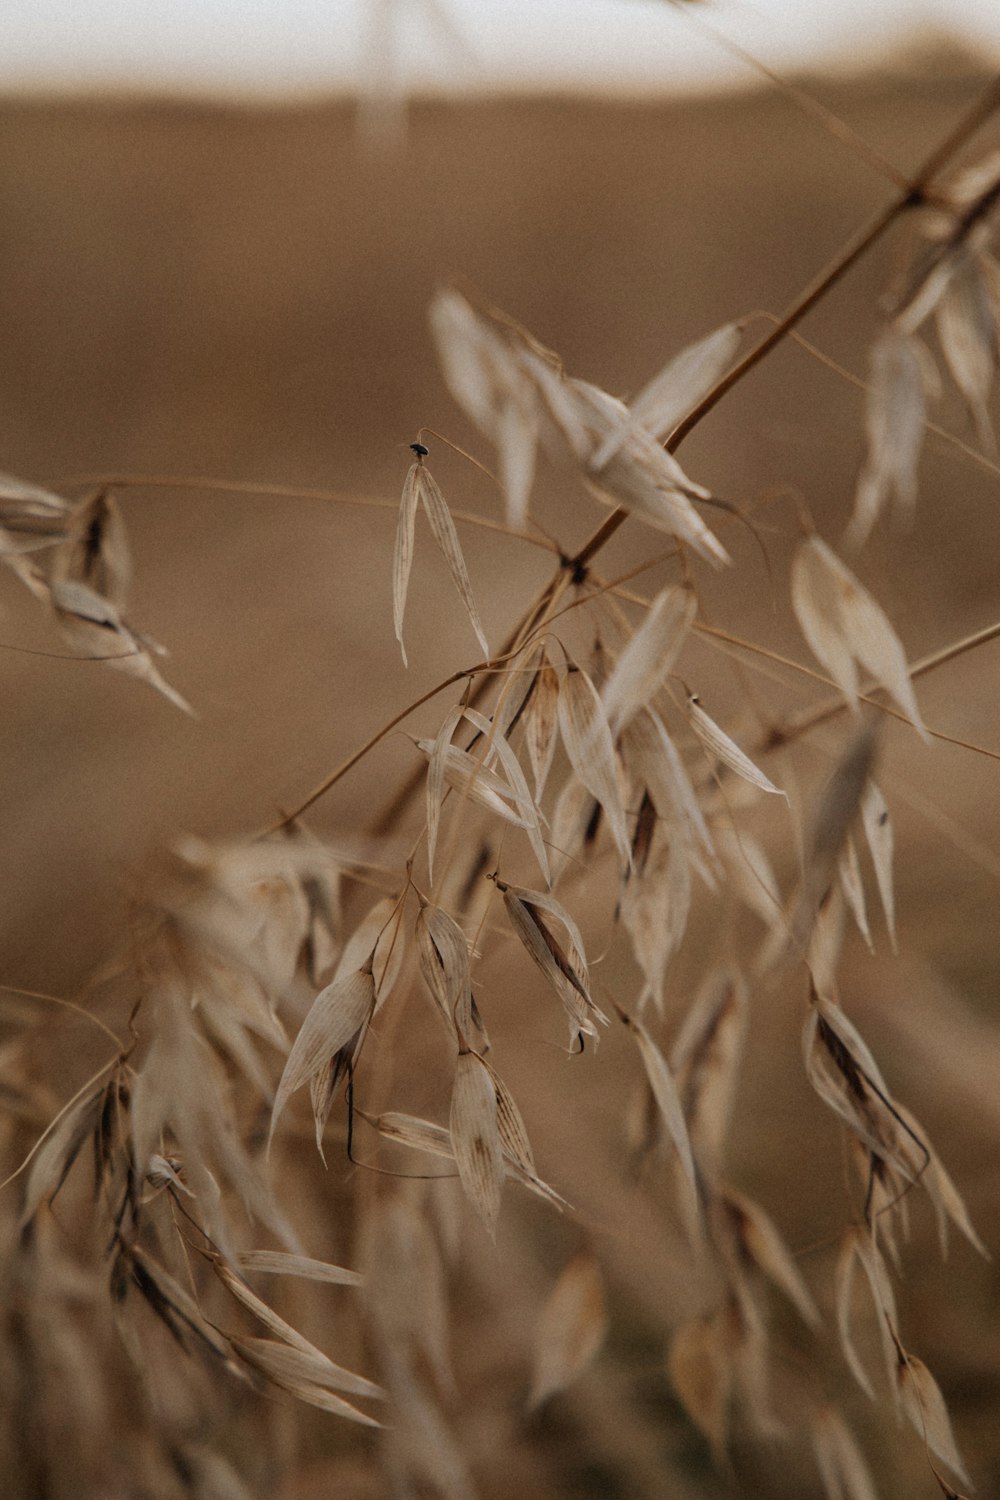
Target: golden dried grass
(232, 941)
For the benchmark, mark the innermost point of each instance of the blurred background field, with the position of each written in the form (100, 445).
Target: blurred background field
(198, 289)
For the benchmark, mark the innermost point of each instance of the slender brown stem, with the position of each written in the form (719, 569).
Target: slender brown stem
(934, 428)
(822, 712)
(800, 97)
(527, 625)
(288, 492)
(70, 1005)
(575, 566)
(817, 289)
(813, 293)
(482, 671)
(369, 744)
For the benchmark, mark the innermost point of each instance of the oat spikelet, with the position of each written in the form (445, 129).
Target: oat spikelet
(647, 660)
(840, 1461)
(684, 380)
(482, 372)
(925, 1406)
(843, 625)
(443, 527)
(93, 626)
(540, 724)
(300, 1375)
(435, 1140)
(30, 517)
(894, 422)
(338, 1013)
(443, 954)
(877, 825)
(654, 762)
(587, 738)
(665, 1092)
(526, 803)
(437, 752)
(282, 1263)
(967, 325)
(852, 886)
(640, 476)
(571, 1329)
(476, 1138)
(838, 807)
(467, 772)
(97, 554)
(721, 747)
(705, 1059)
(759, 1243)
(701, 1369)
(333, 1375)
(57, 1150)
(844, 1073)
(749, 873)
(421, 488)
(655, 906)
(403, 554)
(563, 963)
(858, 1248)
(511, 1127)
(304, 1366)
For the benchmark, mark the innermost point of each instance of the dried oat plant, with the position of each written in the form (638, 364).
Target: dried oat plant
(304, 1156)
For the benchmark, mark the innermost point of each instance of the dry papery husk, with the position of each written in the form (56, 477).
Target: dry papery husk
(475, 1137)
(515, 390)
(421, 488)
(571, 1328)
(844, 625)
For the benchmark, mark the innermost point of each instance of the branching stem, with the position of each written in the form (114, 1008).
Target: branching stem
(574, 567)
(853, 251)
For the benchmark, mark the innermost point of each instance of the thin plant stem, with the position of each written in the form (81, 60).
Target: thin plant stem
(70, 1005)
(774, 737)
(291, 492)
(823, 712)
(859, 244)
(380, 734)
(532, 621)
(50, 1127)
(573, 568)
(941, 433)
(800, 97)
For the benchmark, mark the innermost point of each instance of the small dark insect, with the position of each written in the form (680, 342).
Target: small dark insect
(419, 450)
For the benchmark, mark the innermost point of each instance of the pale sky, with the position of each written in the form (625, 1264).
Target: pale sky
(286, 46)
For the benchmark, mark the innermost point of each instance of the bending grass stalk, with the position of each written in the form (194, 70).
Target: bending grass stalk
(70, 1005)
(804, 101)
(571, 568)
(934, 428)
(482, 671)
(817, 289)
(778, 735)
(53, 1124)
(287, 492)
(810, 718)
(535, 618)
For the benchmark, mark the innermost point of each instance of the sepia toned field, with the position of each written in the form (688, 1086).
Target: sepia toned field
(224, 294)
